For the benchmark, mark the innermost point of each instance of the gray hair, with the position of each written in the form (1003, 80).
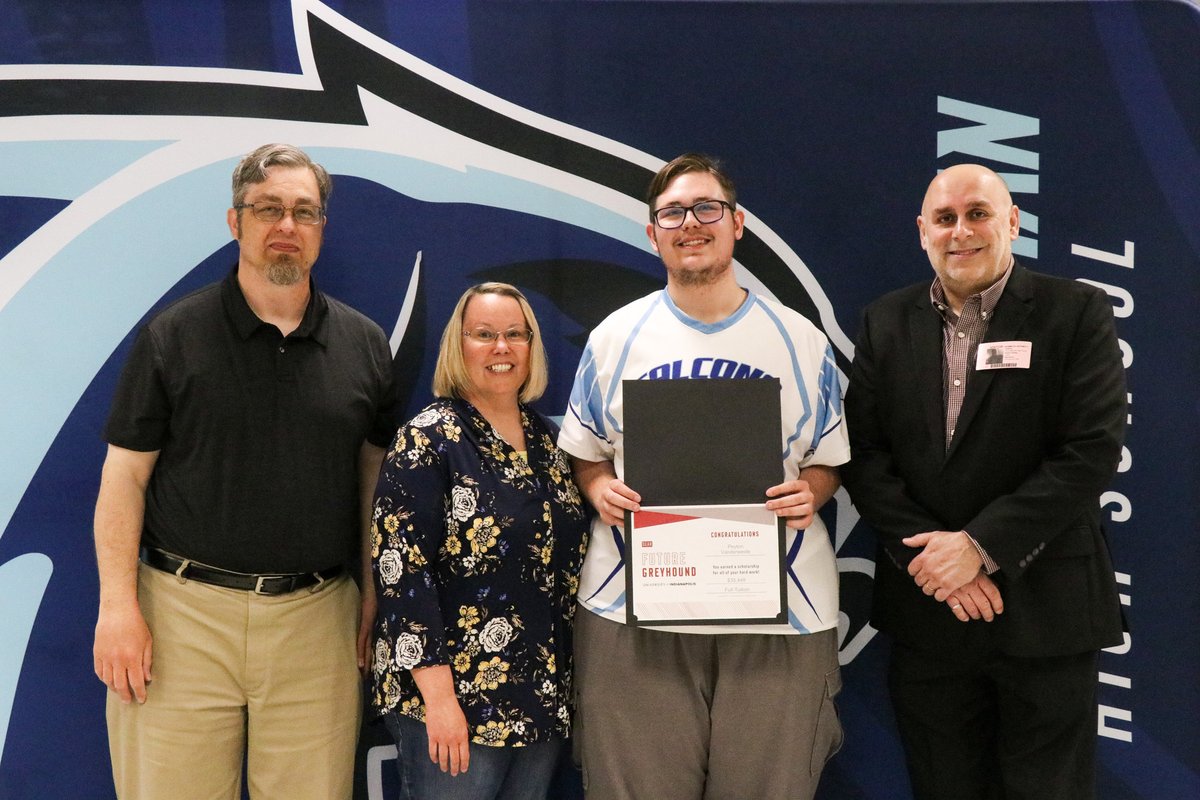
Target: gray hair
(253, 169)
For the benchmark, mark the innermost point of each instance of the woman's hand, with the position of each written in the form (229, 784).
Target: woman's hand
(449, 745)
(445, 723)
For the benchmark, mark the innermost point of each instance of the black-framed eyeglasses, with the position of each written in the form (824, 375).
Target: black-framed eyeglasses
(302, 213)
(511, 336)
(705, 212)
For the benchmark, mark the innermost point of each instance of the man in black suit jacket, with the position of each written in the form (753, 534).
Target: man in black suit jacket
(985, 415)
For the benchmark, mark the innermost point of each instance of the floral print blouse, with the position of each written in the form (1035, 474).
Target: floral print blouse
(476, 554)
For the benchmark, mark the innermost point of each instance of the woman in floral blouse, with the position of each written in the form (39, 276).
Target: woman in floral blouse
(478, 534)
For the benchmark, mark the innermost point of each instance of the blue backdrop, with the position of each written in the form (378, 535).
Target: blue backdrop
(513, 140)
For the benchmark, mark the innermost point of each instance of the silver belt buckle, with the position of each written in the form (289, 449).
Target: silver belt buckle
(258, 584)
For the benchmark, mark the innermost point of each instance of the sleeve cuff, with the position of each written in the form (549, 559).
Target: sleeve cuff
(989, 564)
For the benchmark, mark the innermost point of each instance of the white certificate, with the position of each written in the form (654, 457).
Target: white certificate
(702, 565)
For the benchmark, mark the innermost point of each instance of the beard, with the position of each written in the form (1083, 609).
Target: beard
(703, 276)
(284, 271)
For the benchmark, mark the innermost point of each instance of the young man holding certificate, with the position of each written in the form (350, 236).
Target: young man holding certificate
(681, 711)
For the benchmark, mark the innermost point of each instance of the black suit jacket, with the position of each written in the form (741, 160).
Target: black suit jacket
(1032, 452)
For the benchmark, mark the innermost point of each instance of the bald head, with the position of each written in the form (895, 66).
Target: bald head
(967, 225)
(968, 174)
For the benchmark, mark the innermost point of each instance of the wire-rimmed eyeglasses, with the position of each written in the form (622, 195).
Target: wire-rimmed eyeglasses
(705, 212)
(512, 336)
(302, 213)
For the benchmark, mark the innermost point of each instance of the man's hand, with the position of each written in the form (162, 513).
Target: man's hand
(794, 501)
(121, 654)
(978, 598)
(366, 626)
(370, 461)
(799, 500)
(608, 495)
(121, 650)
(614, 500)
(948, 561)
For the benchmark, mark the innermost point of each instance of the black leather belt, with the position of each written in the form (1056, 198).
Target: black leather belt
(188, 570)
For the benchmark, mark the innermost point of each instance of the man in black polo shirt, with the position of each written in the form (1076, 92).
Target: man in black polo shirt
(244, 443)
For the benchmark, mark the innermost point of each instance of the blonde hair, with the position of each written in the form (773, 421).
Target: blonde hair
(450, 378)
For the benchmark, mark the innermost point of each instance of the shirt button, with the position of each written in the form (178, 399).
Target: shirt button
(282, 349)
(957, 382)
(961, 335)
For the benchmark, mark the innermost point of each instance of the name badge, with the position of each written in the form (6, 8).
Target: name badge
(1003, 355)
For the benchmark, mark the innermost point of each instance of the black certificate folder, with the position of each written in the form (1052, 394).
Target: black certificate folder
(702, 442)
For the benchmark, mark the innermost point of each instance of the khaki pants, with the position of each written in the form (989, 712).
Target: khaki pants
(275, 678)
(693, 716)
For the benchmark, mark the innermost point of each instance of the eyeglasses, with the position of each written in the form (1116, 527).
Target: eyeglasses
(303, 213)
(512, 336)
(705, 212)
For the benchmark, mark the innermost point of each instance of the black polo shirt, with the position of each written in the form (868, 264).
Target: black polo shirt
(259, 433)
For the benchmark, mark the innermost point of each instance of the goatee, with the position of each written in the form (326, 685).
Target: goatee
(284, 272)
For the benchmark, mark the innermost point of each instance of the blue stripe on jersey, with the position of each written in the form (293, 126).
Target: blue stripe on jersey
(830, 390)
(619, 540)
(585, 402)
(620, 370)
(796, 623)
(714, 327)
(804, 594)
(794, 551)
(805, 401)
(618, 603)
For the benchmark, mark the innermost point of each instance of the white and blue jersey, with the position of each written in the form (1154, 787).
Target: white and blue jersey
(652, 339)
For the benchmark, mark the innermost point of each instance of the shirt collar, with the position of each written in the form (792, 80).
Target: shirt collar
(246, 322)
(988, 298)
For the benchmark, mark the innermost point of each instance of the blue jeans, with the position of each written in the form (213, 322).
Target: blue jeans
(494, 773)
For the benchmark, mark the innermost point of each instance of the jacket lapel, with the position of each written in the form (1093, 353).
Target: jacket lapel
(1007, 322)
(925, 335)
